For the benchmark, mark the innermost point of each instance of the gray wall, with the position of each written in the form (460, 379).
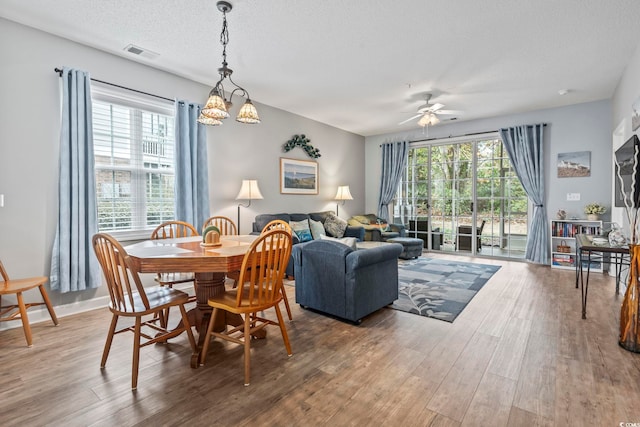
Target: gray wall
(29, 135)
(581, 127)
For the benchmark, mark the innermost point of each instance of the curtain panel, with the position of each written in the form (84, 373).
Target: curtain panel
(524, 145)
(192, 175)
(394, 160)
(74, 266)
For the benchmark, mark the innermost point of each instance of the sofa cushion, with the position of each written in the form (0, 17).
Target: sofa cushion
(301, 228)
(335, 226)
(348, 241)
(317, 229)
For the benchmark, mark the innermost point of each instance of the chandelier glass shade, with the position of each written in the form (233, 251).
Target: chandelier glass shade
(217, 106)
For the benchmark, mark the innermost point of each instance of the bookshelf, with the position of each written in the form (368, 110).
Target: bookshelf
(563, 242)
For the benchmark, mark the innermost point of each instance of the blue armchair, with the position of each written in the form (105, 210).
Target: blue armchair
(350, 284)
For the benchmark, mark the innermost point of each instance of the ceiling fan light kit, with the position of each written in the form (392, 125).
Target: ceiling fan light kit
(428, 113)
(217, 107)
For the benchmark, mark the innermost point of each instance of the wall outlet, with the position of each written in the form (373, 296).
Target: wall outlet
(573, 197)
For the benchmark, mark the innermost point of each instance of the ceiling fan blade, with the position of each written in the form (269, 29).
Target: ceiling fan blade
(436, 107)
(448, 112)
(409, 119)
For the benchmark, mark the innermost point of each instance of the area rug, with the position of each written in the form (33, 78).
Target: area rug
(439, 288)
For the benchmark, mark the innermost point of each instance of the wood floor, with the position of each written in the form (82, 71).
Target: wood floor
(518, 355)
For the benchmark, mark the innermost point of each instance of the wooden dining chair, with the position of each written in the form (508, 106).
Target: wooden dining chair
(128, 298)
(263, 267)
(172, 230)
(19, 311)
(278, 224)
(226, 225)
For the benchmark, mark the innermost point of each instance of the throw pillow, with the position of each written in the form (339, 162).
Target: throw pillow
(335, 226)
(301, 228)
(348, 241)
(317, 229)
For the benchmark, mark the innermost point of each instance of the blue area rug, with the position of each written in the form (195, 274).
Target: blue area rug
(439, 288)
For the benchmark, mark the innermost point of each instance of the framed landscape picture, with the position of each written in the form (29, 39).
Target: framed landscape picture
(298, 176)
(574, 165)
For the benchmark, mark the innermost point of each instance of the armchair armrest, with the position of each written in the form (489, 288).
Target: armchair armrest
(366, 257)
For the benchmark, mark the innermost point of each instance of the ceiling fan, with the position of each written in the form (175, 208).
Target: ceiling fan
(428, 113)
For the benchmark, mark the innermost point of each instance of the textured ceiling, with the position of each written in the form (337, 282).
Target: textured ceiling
(365, 65)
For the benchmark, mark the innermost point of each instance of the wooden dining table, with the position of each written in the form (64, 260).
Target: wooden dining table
(187, 254)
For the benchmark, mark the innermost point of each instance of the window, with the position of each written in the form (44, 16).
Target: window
(134, 144)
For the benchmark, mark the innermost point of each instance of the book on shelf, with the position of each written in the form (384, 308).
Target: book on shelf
(568, 229)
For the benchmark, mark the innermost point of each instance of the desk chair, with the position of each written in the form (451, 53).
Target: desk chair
(260, 288)
(19, 311)
(129, 299)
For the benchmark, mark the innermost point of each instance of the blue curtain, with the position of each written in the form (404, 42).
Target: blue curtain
(524, 144)
(192, 176)
(74, 266)
(394, 159)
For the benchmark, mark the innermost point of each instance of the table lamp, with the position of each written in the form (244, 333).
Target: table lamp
(343, 194)
(248, 191)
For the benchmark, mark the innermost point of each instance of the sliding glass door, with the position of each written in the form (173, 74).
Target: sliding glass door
(463, 196)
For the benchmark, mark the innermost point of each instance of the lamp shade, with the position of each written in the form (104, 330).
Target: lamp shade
(248, 113)
(209, 121)
(343, 193)
(249, 190)
(215, 107)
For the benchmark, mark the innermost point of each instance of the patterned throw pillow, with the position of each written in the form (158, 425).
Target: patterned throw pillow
(335, 226)
(301, 228)
(348, 241)
(317, 229)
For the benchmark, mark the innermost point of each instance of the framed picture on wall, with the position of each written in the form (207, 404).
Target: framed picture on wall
(635, 115)
(298, 176)
(574, 165)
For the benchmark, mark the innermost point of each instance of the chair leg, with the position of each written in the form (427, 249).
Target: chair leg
(207, 336)
(247, 348)
(25, 319)
(286, 302)
(107, 344)
(45, 298)
(187, 327)
(136, 354)
(283, 329)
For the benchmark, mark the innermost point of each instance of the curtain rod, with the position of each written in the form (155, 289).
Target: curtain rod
(458, 136)
(59, 71)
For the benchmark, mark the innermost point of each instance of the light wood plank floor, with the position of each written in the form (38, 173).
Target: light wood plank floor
(518, 355)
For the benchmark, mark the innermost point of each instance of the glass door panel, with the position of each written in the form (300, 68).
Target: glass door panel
(464, 197)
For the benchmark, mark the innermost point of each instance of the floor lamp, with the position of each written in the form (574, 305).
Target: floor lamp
(343, 194)
(248, 191)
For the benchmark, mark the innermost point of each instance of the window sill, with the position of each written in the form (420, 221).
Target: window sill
(130, 236)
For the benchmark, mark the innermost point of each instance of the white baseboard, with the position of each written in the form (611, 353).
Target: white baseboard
(40, 313)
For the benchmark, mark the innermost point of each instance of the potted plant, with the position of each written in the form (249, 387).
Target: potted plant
(594, 210)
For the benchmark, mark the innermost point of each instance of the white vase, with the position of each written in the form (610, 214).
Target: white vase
(592, 217)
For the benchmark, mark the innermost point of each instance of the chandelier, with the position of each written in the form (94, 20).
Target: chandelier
(217, 106)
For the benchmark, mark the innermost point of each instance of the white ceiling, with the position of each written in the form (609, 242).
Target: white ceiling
(365, 65)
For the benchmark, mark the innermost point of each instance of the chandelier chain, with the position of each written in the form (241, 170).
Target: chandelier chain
(224, 37)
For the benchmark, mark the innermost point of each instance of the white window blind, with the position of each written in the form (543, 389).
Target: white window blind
(134, 143)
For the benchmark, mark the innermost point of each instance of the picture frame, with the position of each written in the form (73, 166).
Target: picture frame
(298, 176)
(574, 165)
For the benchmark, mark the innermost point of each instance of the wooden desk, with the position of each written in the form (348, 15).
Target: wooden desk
(209, 264)
(596, 252)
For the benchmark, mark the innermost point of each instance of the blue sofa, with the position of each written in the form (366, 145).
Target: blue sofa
(263, 219)
(350, 284)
